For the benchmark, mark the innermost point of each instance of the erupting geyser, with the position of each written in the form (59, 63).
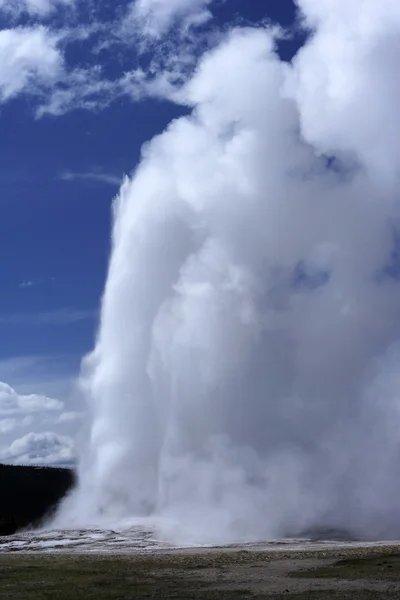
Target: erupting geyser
(246, 377)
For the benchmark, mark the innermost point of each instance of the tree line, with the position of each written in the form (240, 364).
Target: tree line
(30, 494)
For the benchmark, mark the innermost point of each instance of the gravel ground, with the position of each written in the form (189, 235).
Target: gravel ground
(363, 572)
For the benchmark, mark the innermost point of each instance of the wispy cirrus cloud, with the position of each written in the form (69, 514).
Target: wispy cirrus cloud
(79, 88)
(153, 18)
(50, 375)
(26, 284)
(33, 58)
(95, 92)
(63, 316)
(37, 8)
(29, 283)
(95, 175)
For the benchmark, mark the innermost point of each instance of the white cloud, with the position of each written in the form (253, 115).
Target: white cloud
(38, 8)
(29, 60)
(35, 403)
(51, 376)
(70, 417)
(12, 403)
(40, 448)
(7, 425)
(154, 18)
(31, 416)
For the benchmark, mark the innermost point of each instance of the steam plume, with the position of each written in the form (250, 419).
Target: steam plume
(245, 380)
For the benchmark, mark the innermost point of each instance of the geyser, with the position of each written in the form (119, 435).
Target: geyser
(245, 382)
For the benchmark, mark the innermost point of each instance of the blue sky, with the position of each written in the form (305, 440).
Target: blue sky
(61, 164)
